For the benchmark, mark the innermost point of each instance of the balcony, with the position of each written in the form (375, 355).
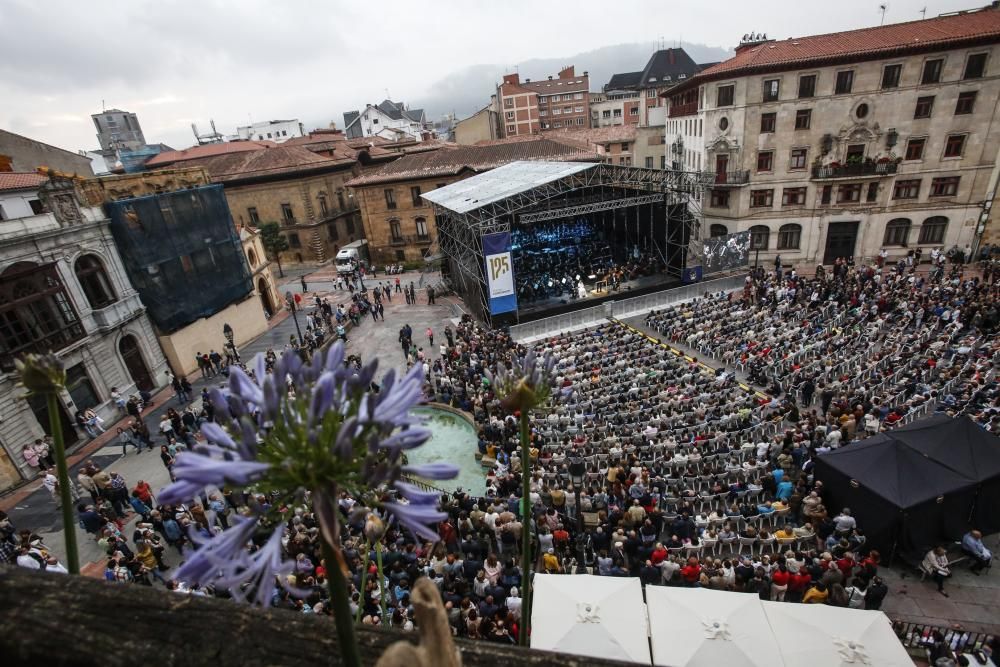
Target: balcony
(116, 313)
(861, 169)
(725, 179)
(689, 109)
(410, 239)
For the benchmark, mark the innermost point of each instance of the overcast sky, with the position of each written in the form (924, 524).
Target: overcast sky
(176, 62)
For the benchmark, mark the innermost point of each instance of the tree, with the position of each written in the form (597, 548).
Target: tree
(274, 242)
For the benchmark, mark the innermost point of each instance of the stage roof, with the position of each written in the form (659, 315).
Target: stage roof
(492, 186)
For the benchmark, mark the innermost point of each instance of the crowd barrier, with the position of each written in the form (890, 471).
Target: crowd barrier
(637, 305)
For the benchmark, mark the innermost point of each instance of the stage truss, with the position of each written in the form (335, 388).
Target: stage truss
(460, 234)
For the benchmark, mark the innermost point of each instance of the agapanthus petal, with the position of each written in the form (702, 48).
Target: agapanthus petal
(195, 471)
(244, 387)
(410, 438)
(216, 435)
(416, 495)
(436, 470)
(418, 519)
(335, 357)
(224, 551)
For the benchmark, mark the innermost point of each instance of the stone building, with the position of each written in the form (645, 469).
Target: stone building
(19, 153)
(839, 145)
(399, 224)
(480, 126)
(63, 287)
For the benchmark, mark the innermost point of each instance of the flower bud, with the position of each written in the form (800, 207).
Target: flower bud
(374, 528)
(41, 373)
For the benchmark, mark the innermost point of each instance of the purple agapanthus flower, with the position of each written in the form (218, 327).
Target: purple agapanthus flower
(303, 428)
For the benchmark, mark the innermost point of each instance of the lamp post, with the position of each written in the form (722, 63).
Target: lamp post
(292, 306)
(577, 474)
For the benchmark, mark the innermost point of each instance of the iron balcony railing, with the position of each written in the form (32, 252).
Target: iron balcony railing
(854, 170)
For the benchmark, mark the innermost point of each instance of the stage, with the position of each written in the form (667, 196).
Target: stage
(557, 306)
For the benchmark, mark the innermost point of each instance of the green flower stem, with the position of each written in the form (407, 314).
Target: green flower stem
(364, 582)
(341, 609)
(65, 499)
(381, 582)
(526, 518)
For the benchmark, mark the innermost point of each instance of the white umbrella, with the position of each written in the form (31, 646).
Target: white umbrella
(697, 626)
(599, 617)
(822, 636)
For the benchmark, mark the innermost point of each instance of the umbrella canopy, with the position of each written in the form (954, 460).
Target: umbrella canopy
(600, 617)
(823, 636)
(698, 626)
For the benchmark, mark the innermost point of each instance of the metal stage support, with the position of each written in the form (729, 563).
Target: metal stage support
(592, 207)
(460, 233)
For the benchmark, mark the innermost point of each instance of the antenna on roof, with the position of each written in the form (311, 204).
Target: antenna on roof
(923, 13)
(103, 108)
(884, 6)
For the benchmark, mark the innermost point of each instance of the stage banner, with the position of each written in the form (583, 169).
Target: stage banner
(499, 273)
(693, 274)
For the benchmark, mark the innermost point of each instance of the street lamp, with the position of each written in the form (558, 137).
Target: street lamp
(227, 331)
(577, 475)
(290, 301)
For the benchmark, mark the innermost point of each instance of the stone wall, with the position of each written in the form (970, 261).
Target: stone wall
(28, 155)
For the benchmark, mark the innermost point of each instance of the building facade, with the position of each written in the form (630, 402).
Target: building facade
(399, 224)
(63, 287)
(390, 120)
(118, 130)
(277, 131)
(20, 153)
(841, 145)
(615, 108)
(633, 97)
(484, 125)
(530, 107)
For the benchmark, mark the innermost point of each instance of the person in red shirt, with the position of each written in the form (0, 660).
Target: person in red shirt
(691, 572)
(797, 585)
(779, 583)
(846, 565)
(659, 554)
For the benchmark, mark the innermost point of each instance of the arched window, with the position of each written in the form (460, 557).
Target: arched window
(897, 232)
(933, 229)
(94, 281)
(760, 236)
(421, 225)
(251, 257)
(718, 230)
(789, 237)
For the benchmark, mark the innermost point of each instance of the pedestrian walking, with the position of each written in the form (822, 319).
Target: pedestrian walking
(430, 335)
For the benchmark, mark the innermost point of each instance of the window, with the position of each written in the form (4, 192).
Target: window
(324, 210)
(771, 88)
(826, 195)
(807, 86)
(254, 218)
(340, 200)
(511, 129)
(578, 109)
(634, 111)
(577, 96)
(651, 92)
(400, 255)
(798, 159)
(37, 207)
(332, 231)
(924, 107)
(845, 81)
(803, 118)
(896, 232)
(390, 198)
(720, 198)
(765, 161)
(724, 96)
(421, 225)
(933, 229)
(415, 195)
(618, 113)
(793, 197)
(606, 113)
(716, 231)
(759, 237)
(872, 195)
(789, 237)
(932, 71)
(849, 193)
(269, 135)
(649, 163)
(855, 154)
(579, 121)
(94, 281)
(761, 198)
(624, 147)
(890, 76)
(768, 121)
(975, 66)
(945, 186)
(349, 224)
(663, 162)
(80, 388)
(395, 233)
(287, 214)
(966, 102)
(284, 133)
(953, 147)
(508, 103)
(906, 189)
(861, 111)
(293, 241)
(915, 148)
(509, 115)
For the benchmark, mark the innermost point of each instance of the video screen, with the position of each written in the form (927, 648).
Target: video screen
(724, 253)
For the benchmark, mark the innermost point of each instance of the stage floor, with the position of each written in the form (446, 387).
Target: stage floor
(558, 305)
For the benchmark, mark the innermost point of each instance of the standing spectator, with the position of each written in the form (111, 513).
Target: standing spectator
(31, 457)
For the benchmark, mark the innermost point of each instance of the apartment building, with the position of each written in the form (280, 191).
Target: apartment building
(838, 145)
(631, 98)
(530, 107)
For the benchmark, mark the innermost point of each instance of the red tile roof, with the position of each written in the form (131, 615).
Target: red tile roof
(20, 180)
(943, 32)
(451, 161)
(207, 150)
(271, 162)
